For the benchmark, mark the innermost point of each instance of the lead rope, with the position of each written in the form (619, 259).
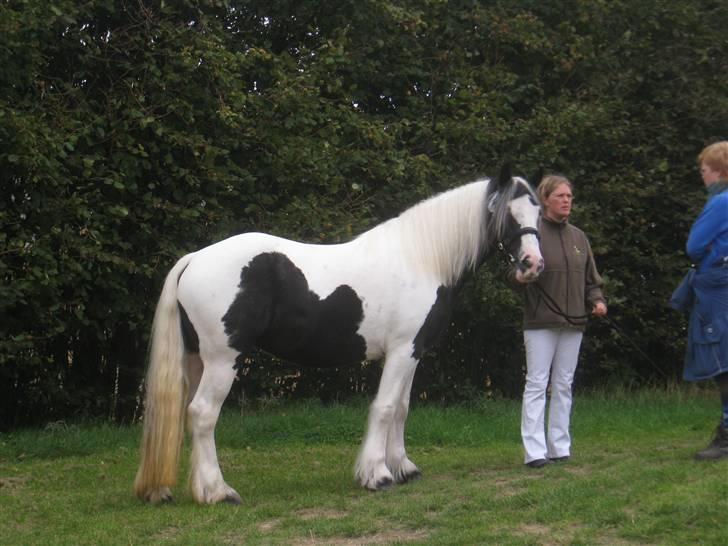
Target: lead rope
(554, 308)
(635, 346)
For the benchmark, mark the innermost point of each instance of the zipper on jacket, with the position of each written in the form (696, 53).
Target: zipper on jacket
(568, 271)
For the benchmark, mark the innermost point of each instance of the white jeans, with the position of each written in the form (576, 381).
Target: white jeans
(554, 353)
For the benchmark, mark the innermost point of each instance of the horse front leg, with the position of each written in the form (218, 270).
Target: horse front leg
(206, 482)
(371, 470)
(401, 467)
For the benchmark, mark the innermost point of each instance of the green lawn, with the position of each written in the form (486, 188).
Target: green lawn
(631, 480)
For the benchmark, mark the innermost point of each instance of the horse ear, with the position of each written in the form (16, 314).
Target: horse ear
(535, 180)
(505, 175)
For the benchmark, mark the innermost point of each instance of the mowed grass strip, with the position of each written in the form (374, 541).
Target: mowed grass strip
(631, 479)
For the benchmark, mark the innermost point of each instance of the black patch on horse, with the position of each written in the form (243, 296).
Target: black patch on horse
(276, 311)
(437, 320)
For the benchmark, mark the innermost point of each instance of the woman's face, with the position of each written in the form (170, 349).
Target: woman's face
(558, 205)
(708, 174)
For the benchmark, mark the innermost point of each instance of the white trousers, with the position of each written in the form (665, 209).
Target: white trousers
(549, 353)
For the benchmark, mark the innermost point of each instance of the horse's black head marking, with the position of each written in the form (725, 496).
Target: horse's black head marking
(511, 218)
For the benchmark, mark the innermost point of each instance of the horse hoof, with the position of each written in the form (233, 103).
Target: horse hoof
(232, 499)
(159, 496)
(384, 484)
(412, 476)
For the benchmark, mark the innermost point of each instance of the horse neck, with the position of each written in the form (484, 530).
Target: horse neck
(444, 236)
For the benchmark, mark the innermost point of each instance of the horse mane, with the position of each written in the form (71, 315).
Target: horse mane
(448, 234)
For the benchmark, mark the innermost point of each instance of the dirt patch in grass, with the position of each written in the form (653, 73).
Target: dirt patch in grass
(548, 536)
(269, 525)
(580, 470)
(167, 534)
(323, 513)
(12, 483)
(534, 529)
(305, 515)
(387, 537)
(509, 487)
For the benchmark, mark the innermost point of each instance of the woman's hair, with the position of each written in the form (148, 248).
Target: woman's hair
(549, 183)
(715, 156)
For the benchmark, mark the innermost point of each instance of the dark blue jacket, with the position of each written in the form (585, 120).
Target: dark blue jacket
(707, 350)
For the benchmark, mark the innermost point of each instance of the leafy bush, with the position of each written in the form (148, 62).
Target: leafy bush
(133, 134)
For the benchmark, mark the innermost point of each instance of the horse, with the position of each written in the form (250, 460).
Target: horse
(386, 294)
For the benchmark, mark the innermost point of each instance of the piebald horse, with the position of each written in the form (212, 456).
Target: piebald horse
(387, 295)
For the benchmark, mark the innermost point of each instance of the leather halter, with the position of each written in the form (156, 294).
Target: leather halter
(504, 245)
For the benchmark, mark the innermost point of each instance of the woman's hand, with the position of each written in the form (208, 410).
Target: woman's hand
(599, 309)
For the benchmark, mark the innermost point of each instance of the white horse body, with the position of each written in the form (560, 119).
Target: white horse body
(206, 293)
(385, 294)
(391, 301)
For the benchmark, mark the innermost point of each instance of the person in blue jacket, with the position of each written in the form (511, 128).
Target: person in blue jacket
(707, 247)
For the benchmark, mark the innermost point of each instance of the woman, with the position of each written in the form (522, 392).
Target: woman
(707, 247)
(554, 320)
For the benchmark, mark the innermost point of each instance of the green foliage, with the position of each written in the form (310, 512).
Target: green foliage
(133, 134)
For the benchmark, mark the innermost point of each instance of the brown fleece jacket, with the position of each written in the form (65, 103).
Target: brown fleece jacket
(570, 278)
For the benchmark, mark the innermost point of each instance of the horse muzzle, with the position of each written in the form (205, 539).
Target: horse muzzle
(530, 266)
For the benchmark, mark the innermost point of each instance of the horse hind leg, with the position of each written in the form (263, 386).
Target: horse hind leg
(207, 485)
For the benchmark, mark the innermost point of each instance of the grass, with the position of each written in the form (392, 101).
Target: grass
(631, 480)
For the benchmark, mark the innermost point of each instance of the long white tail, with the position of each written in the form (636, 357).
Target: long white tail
(166, 396)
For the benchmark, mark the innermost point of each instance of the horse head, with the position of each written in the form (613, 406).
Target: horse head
(515, 211)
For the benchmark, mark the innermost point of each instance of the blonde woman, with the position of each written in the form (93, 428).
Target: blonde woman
(554, 319)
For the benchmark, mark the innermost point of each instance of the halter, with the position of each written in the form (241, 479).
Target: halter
(504, 245)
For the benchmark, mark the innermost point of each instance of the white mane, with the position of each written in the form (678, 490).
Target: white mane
(442, 236)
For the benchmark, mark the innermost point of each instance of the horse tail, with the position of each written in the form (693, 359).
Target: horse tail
(166, 396)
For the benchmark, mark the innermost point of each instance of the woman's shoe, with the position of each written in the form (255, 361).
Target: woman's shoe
(537, 463)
